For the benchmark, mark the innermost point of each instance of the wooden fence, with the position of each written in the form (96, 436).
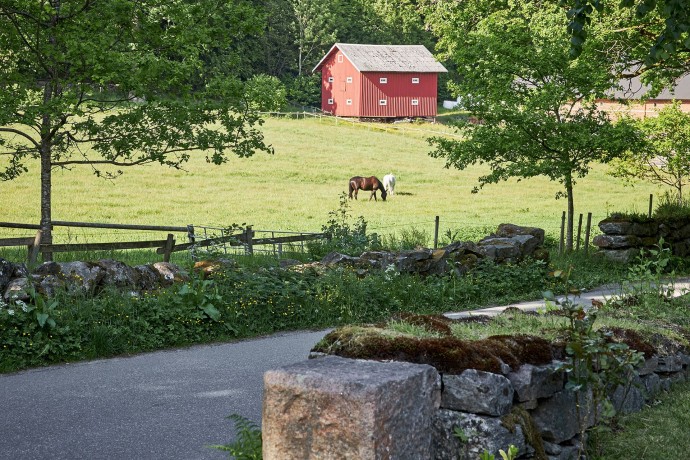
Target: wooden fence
(247, 239)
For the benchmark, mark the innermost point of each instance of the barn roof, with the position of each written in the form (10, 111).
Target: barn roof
(387, 58)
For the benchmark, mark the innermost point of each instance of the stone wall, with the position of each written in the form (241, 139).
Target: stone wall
(333, 407)
(16, 280)
(623, 239)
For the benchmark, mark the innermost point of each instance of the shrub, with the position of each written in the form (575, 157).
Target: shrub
(343, 235)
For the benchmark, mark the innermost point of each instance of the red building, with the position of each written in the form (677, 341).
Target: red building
(379, 81)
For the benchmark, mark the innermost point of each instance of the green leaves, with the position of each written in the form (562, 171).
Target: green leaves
(200, 295)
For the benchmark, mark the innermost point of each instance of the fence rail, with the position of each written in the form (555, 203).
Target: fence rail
(397, 129)
(202, 237)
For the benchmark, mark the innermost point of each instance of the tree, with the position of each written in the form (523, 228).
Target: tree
(118, 83)
(669, 25)
(315, 29)
(663, 155)
(535, 107)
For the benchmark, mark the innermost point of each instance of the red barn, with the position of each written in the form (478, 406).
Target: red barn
(379, 81)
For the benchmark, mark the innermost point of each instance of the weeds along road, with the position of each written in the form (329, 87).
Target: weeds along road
(162, 405)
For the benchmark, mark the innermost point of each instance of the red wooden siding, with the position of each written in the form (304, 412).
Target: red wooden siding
(340, 90)
(365, 91)
(399, 92)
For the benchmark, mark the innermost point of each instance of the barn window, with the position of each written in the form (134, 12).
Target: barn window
(383, 102)
(340, 58)
(415, 101)
(349, 79)
(383, 80)
(348, 101)
(415, 80)
(330, 101)
(330, 79)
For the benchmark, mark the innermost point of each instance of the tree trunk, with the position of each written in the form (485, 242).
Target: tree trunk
(46, 178)
(571, 215)
(49, 90)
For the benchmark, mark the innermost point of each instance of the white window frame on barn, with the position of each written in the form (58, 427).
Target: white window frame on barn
(330, 102)
(415, 80)
(330, 79)
(415, 101)
(348, 80)
(383, 80)
(340, 58)
(383, 102)
(348, 101)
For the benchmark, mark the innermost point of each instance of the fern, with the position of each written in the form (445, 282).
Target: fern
(247, 445)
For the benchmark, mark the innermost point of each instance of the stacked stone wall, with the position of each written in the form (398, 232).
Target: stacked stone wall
(432, 416)
(623, 239)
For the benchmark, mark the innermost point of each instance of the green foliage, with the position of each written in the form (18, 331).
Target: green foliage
(648, 269)
(304, 90)
(596, 363)
(170, 100)
(343, 235)
(662, 153)
(201, 294)
(406, 239)
(247, 445)
(460, 435)
(658, 432)
(265, 93)
(510, 455)
(670, 208)
(667, 42)
(536, 108)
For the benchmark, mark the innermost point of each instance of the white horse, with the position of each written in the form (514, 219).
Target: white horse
(389, 183)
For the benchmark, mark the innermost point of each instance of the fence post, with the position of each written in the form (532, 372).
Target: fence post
(651, 197)
(579, 232)
(561, 242)
(587, 229)
(248, 240)
(436, 232)
(190, 233)
(169, 245)
(35, 248)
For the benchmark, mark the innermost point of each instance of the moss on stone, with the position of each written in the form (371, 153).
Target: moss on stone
(518, 416)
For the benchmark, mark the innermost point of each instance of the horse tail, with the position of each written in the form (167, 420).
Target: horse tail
(351, 188)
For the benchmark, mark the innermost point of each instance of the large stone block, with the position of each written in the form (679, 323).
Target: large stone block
(477, 392)
(629, 398)
(652, 386)
(564, 415)
(533, 382)
(616, 241)
(510, 230)
(338, 408)
(615, 227)
(669, 364)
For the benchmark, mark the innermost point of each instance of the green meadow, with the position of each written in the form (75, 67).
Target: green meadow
(294, 189)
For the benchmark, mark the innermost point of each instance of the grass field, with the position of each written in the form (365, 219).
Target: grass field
(297, 187)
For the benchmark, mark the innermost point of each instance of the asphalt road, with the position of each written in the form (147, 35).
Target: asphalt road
(162, 405)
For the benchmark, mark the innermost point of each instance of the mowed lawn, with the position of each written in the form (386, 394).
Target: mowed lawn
(295, 188)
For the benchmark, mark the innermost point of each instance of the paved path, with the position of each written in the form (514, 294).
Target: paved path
(162, 405)
(680, 286)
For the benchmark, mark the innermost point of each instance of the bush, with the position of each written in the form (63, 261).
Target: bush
(304, 90)
(343, 235)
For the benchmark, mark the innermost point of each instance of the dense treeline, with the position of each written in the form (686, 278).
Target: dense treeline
(297, 33)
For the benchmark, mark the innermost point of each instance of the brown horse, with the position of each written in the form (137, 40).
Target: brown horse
(367, 183)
